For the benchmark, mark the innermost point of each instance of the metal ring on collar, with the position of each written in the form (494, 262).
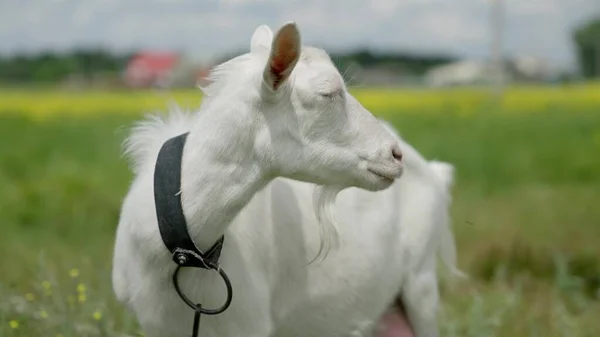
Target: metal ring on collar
(197, 307)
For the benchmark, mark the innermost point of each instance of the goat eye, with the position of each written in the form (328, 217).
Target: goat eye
(328, 94)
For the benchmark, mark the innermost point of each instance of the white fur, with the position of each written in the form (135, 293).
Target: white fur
(257, 157)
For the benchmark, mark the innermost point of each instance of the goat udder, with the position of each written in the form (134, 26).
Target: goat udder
(394, 323)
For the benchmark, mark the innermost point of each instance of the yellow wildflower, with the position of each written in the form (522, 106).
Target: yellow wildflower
(81, 298)
(81, 288)
(74, 273)
(48, 292)
(13, 324)
(46, 285)
(97, 315)
(30, 297)
(59, 335)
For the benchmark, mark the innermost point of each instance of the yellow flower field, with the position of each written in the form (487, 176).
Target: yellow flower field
(464, 101)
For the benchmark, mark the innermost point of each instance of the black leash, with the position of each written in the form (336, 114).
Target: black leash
(173, 226)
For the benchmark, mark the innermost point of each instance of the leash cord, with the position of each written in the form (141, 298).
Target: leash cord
(196, 321)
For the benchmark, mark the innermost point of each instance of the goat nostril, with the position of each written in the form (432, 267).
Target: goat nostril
(396, 153)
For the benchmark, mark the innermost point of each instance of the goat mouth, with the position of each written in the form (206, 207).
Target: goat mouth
(387, 176)
(395, 323)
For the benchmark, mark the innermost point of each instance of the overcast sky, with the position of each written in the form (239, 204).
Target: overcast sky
(209, 27)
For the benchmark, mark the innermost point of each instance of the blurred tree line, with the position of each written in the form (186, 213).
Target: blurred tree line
(587, 42)
(49, 67)
(409, 63)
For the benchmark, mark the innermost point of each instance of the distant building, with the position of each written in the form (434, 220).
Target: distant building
(147, 69)
(470, 72)
(534, 69)
(458, 73)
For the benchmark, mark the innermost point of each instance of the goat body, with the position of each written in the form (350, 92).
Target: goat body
(387, 238)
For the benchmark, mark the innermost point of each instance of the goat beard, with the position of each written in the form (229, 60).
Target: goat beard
(324, 206)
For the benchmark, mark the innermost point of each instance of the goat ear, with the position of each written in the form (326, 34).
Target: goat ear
(285, 52)
(261, 38)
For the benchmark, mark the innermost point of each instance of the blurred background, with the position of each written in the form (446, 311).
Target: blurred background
(506, 90)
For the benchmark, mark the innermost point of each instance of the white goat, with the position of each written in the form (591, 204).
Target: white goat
(276, 128)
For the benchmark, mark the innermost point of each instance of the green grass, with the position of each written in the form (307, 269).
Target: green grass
(526, 216)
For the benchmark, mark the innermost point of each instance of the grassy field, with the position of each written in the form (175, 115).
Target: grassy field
(526, 205)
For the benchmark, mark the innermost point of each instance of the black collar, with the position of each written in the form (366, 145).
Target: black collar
(171, 220)
(173, 227)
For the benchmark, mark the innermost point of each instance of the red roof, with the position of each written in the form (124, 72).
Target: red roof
(156, 61)
(147, 67)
